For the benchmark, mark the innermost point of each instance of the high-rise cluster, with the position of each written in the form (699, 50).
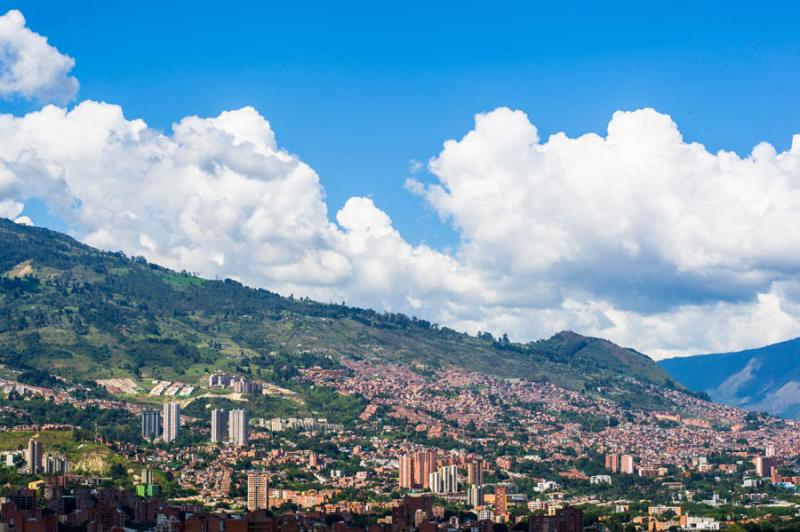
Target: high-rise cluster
(233, 426)
(415, 469)
(625, 463)
(442, 475)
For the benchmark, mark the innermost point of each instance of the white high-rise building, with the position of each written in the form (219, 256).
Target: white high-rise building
(151, 424)
(450, 479)
(769, 452)
(444, 480)
(34, 456)
(219, 425)
(434, 482)
(172, 421)
(475, 495)
(54, 464)
(238, 429)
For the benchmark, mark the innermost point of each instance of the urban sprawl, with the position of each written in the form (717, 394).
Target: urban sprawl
(431, 450)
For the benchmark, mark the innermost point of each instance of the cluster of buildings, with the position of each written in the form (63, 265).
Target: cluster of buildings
(232, 426)
(226, 426)
(165, 424)
(36, 461)
(8, 386)
(239, 385)
(662, 518)
(456, 404)
(441, 475)
(119, 385)
(625, 463)
(310, 424)
(526, 441)
(427, 470)
(171, 389)
(66, 504)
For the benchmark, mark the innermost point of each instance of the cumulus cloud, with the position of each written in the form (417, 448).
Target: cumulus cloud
(216, 193)
(636, 235)
(658, 213)
(216, 196)
(10, 208)
(30, 67)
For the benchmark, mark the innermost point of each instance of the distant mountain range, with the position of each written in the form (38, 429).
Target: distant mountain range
(78, 313)
(764, 379)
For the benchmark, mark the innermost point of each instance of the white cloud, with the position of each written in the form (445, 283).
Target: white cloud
(636, 236)
(217, 192)
(640, 196)
(30, 67)
(217, 196)
(10, 208)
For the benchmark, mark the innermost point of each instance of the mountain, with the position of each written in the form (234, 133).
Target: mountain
(71, 311)
(763, 379)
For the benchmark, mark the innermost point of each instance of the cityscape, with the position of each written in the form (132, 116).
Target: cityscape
(365, 266)
(428, 450)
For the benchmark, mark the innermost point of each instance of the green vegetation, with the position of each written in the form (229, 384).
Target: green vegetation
(311, 401)
(265, 406)
(118, 425)
(72, 311)
(328, 403)
(84, 454)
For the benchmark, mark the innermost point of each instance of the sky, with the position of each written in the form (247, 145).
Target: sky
(625, 171)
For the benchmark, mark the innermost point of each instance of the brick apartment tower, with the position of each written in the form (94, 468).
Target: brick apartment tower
(565, 520)
(501, 501)
(415, 469)
(627, 464)
(475, 473)
(612, 462)
(257, 491)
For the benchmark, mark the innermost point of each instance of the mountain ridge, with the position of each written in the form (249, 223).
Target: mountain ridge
(764, 378)
(79, 313)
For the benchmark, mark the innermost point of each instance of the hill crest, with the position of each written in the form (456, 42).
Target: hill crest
(79, 312)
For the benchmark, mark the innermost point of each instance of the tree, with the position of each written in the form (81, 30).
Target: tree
(118, 472)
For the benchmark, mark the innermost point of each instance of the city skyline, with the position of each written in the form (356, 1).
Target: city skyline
(399, 267)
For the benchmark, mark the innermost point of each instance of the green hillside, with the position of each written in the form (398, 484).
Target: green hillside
(70, 310)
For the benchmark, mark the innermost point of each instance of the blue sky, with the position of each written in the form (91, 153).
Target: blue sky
(634, 234)
(358, 89)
